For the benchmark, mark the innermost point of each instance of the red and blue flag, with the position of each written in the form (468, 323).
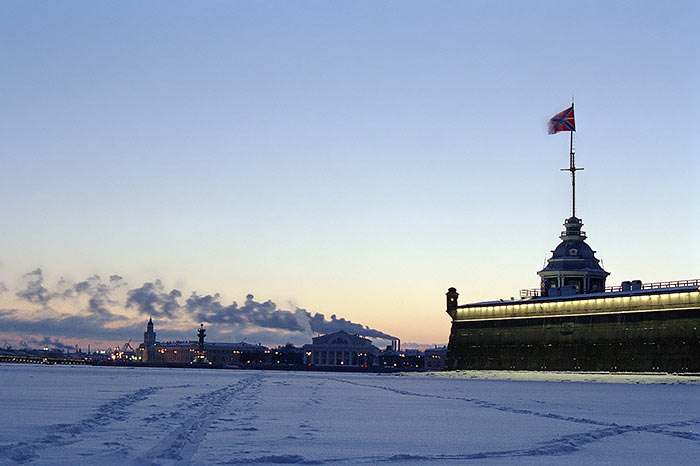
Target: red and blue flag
(563, 121)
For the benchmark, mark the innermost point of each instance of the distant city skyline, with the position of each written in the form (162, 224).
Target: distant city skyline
(334, 159)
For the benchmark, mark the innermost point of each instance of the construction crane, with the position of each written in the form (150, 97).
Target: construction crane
(127, 347)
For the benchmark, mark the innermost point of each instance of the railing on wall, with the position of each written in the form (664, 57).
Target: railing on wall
(536, 292)
(658, 285)
(531, 293)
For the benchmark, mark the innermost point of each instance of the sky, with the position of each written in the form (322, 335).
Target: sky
(281, 169)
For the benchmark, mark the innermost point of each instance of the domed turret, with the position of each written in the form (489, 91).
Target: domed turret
(573, 267)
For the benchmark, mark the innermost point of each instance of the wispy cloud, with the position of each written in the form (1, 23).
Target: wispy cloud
(75, 326)
(55, 343)
(103, 309)
(152, 300)
(34, 290)
(251, 313)
(98, 294)
(319, 324)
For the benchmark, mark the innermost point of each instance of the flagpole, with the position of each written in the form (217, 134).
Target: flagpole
(559, 123)
(572, 167)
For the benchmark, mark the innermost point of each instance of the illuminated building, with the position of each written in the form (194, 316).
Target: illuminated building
(341, 349)
(186, 352)
(574, 323)
(435, 358)
(393, 358)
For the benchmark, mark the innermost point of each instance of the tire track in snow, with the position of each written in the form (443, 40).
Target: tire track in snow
(181, 443)
(67, 434)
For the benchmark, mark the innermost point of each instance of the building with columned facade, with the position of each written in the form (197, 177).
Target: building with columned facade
(341, 349)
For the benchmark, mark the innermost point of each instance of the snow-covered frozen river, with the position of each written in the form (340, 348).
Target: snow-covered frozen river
(101, 415)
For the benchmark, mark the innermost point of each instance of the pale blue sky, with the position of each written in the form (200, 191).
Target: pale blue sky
(349, 158)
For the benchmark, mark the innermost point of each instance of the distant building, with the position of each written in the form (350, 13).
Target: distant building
(185, 352)
(288, 355)
(237, 354)
(393, 358)
(149, 343)
(435, 358)
(341, 349)
(175, 352)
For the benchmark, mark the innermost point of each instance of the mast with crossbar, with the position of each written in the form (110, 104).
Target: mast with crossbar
(573, 169)
(564, 121)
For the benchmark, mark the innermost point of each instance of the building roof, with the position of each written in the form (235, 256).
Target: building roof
(239, 345)
(605, 294)
(176, 343)
(573, 254)
(341, 338)
(207, 345)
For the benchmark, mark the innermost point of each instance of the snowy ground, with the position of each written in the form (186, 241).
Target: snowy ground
(99, 415)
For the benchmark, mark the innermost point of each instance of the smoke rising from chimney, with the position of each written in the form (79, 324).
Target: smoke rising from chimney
(108, 303)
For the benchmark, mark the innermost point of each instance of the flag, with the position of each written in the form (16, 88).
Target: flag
(563, 121)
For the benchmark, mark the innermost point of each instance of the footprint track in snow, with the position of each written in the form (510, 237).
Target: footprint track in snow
(180, 444)
(556, 446)
(66, 434)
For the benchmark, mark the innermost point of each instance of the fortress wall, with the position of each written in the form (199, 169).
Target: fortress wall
(653, 340)
(577, 306)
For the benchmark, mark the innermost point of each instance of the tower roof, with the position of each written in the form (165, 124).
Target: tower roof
(573, 254)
